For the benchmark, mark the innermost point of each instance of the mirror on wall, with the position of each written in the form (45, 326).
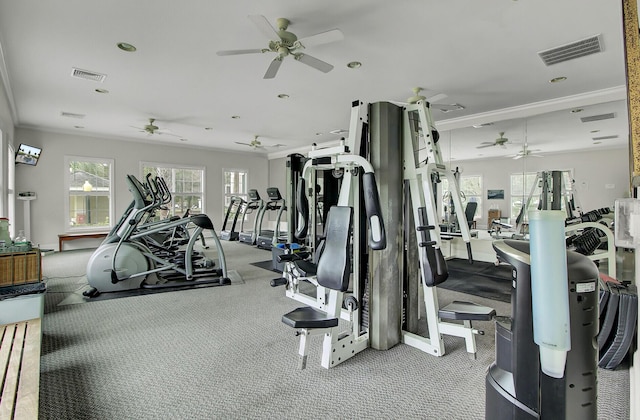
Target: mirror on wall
(498, 161)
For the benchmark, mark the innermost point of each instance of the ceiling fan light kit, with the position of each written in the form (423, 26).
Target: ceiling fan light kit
(285, 43)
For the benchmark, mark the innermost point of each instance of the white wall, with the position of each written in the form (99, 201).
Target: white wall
(6, 126)
(278, 174)
(47, 178)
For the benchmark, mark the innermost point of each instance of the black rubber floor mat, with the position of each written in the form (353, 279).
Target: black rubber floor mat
(479, 279)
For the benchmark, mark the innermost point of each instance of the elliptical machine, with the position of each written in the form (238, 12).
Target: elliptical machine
(124, 261)
(516, 387)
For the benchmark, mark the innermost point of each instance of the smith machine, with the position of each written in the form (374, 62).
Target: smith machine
(401, 146)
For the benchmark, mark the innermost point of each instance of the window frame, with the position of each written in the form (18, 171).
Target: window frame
(67, 196)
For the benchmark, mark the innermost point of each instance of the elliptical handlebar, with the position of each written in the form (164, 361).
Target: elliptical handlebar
(164, 188)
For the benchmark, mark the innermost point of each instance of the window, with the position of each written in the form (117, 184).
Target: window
(89, 193)
(185, 183)
(471, 189)
(235, 184)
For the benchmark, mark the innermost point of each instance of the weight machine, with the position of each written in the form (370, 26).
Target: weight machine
(553, 194)
(423, 169)
(343, 252)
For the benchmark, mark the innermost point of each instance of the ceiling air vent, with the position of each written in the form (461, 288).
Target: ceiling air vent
(72, 115)
(605, 137)
(573, 50)
(88, 75)
(598, 117)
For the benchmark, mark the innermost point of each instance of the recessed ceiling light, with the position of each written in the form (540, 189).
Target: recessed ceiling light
(124, 46)
(78, 126)
(283, 96)
(182, 139)
(235, 117)
(594, 131)
(102, 91)
(558, 79)
(576, 110)
(208, 128)
(354, 65)
(318, 134)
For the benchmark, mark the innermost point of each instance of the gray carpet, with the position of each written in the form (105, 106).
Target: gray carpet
(223, 353)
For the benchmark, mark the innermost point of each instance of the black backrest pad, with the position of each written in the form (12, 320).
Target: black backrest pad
(335, 263)
(470, 210)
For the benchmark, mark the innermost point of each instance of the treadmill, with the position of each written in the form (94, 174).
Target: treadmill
(268, 238)
(236, 208)
(255, 204)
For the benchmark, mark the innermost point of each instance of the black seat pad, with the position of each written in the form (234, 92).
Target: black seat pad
(306, 268)
(466, 311)
(308, 317)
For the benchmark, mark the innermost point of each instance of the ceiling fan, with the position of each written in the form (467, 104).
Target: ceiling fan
(526, 152)
(152, 129)
(432, 101)
(257, 144)
(285, 43)
(500, 141)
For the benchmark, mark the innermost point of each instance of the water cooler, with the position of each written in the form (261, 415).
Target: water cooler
(516, 387)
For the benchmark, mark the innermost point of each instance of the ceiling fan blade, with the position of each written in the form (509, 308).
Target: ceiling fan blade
(438, 97)
(314, 62)
(273, 68)
(169, 133)
(482, 146)
(447, 107)
(238, 52)
(264, 27)
(244, 144)
(333, 35)
(516, 157)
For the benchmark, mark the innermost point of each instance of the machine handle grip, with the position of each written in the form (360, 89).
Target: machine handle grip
(377, 237)
(278, 282)
(302, 209)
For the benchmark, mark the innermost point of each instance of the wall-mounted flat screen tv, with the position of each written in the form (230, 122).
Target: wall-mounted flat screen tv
(28, 155)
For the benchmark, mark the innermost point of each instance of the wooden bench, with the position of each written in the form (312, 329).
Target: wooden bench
(63, 237)
(20, 371)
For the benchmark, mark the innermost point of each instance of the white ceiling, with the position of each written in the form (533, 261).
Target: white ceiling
(481, 54)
